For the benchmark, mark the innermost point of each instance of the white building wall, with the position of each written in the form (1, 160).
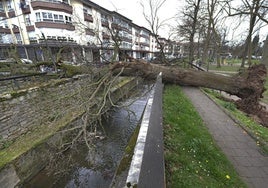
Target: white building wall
(78, 18)
(79, 35)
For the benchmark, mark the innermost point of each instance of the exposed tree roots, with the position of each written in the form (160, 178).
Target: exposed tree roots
(250, 102)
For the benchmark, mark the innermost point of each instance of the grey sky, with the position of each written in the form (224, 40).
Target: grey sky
(133, 10)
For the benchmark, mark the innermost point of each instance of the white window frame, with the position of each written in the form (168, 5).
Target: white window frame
(38, 16)
(1, 7)
(18, 38)
(58, 18)
(47, 16)
(50, 17)
(9, 5)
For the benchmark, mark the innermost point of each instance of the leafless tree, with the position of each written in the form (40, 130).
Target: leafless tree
(190, 21)
(151, 10)
(256, 11)
(203, 24)
(214, 17)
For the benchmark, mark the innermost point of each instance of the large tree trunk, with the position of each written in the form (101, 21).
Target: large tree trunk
(249, 86)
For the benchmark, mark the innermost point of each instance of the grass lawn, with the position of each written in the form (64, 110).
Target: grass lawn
(224, 68)
(192, 159)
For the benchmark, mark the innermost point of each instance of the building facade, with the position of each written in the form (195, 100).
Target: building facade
(79, 28)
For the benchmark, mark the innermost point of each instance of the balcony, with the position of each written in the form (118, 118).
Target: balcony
(16, 30)
(88, 18)
(145, 44)
(5, 30)
(116, 26)
(127, 39)
(89, 32)
(127, 29)
(26, 9)
(105, 36)
(67, 26)
(3, 14)
(11, 14)
(30, 28)
(104, 23)
(56, 6)
(145, 36)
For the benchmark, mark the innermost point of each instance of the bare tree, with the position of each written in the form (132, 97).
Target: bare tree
(214, 16)
(190, 21)
(257, 11)
(151, 10)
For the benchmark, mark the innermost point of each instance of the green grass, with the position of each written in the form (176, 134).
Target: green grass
(258, 132)
(192, 159)
(224, 68)
(231, 65)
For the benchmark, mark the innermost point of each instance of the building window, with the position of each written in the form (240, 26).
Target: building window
(116, 20)
(27, 20)
(104, 18)
(3, 23)
(9, 5)
(47, 16)
(55, 1)
(18, 38)
(58, 18)
(23, 4)
(38, 17)
(65, 1)
(1, 7)
(87, 10)
(68, 19)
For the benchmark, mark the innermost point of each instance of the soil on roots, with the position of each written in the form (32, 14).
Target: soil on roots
(250, 102)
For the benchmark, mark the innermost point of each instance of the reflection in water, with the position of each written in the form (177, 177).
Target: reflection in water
(84, 177)
(95, 167)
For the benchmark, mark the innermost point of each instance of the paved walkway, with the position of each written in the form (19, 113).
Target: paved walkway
(237, 145)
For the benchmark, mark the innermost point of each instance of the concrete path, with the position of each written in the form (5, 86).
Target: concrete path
(237, 145)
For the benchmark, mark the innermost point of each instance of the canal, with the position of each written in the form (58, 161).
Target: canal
(95, 167)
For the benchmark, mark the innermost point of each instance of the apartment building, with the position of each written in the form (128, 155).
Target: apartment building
(80, 28)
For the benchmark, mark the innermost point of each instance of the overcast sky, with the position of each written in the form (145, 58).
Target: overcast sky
(133, 10)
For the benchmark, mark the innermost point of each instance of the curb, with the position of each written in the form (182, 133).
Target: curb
(147, 167)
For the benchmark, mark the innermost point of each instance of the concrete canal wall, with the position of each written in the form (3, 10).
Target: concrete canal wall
(34, 108)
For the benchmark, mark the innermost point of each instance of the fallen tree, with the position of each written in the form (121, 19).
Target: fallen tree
(249, 86)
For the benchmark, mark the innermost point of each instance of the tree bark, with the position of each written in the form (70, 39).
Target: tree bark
(249, 86)
(248, 44)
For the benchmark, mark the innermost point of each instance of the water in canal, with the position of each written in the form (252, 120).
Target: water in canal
(95, 168)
